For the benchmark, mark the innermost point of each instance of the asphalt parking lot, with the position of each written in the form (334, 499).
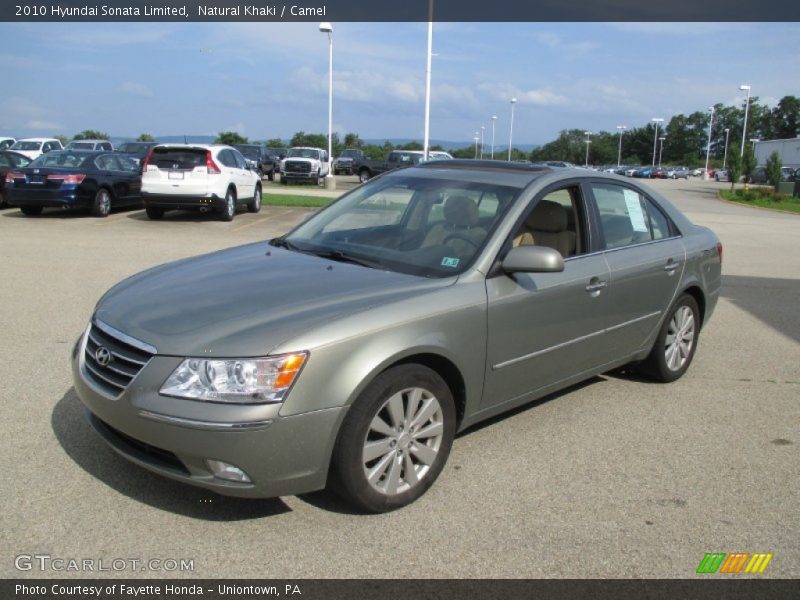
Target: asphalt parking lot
(618, 477)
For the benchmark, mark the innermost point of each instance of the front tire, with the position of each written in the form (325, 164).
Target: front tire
(364, 176)
(101, 207)
(676, 343)
(229, 210)
(395, 439)
(254, 205)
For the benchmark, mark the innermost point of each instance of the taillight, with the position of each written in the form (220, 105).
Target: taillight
(146, 161)
(69, 179)
(212, 167)
(10, 177)
(719, 251)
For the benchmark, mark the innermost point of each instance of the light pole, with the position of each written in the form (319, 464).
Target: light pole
(746, 108)
(661, 148)
(330, 182)
(621, 129)
(725, 157)
(477, 139)
(708, 145)
(426, 135)
(588, 135)
(655, 120)
(494, 120)
(754, 141)
(482, 131)
(511, 127)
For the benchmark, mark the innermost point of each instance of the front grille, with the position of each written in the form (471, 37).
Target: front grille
(126, 360)
(297, 166)
(142, 450)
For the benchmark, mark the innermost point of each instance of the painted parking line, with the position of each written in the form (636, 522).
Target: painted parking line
(251, 223)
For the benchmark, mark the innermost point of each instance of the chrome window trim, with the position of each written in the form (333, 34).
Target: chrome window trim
(206, 425)
(637, 245)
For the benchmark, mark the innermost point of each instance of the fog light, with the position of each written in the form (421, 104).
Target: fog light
(223, 470)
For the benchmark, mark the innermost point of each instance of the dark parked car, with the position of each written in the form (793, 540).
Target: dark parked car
(644, 172)
(8, 162)
(367, 168)
(136, 151)
(98, 181)
(257, 156)
(276, 155)
(350, 351)
(343, 164)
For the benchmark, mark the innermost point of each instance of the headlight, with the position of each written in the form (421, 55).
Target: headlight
(238, 380)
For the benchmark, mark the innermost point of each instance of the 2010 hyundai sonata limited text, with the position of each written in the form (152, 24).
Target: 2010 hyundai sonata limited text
(348, 352)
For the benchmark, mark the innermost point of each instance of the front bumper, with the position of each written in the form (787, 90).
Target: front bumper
(281, 455)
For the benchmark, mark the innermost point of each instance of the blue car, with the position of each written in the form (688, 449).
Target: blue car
(96, 181)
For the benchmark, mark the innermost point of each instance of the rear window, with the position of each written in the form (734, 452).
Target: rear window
(27, 146)
(133, 148)
(81, 146)
(14, 160)
(178, 158)
(59, 159)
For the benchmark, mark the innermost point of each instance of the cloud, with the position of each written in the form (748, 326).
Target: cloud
(544, 96)
(43, 125)
(135, 89)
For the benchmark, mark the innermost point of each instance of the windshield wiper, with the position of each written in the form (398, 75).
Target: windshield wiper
(282, 242)
(340, 256)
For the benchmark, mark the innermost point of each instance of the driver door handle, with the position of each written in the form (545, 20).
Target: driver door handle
(596, 286)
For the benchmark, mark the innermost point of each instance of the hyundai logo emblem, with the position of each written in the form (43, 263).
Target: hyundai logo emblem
(102, 356)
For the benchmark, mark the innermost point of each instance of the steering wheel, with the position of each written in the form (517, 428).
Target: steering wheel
(461, 236)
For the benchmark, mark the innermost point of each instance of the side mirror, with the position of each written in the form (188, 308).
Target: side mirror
(533, 259)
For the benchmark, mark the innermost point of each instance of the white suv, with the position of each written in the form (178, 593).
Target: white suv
(198, 176)
(305, 164)
(35, 147)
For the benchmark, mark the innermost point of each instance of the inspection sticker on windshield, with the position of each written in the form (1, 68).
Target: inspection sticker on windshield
(635, 213)
(452, 263)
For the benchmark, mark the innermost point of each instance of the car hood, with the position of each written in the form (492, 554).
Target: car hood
(247, 300)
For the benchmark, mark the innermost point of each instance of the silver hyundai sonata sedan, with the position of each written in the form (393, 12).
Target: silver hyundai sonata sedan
(350, 351)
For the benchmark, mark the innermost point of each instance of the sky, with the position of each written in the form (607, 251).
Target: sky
(267, 80)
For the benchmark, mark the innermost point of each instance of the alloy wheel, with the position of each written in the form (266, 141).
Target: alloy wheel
(680, 338)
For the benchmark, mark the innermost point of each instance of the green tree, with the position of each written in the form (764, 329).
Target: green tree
(773, 169)
(145, 137)
(90, 134)
(230, 137)
(351, 140)
(62, 138)
(412, 146)
(734, 168)
(786, 118)
(748, 162)
(276, 143)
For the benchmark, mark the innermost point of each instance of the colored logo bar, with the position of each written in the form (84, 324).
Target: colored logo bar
(734, 562)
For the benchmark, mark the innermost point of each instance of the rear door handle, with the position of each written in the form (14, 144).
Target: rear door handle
(671, 266)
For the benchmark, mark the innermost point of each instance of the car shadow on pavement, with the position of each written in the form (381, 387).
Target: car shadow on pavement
(773, 301)
(90, 453)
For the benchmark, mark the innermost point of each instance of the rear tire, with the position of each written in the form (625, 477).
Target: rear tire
(31, 211)
(229, 210)
(395, 439)
(284, 181)
(154, 212)
(676, 343)
(254, 205)
(101, 207)
(3, 202)
(364, 175)
(271, 175)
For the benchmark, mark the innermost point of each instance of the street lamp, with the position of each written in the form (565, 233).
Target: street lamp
(330, 182)
(661, 148)
(588, 134)
(708, 146)
(754, 141)
(621, 129)
(482, 129)
(655, 120)
(494, 119)
(725, 156)
(476, 138)
(746, 108)
(426, 134)
(511, 127)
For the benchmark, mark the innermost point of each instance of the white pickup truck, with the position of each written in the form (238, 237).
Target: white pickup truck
(305, 164)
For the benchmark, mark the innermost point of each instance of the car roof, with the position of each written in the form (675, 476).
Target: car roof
(196, 146)
(89, 141)
(37, 139)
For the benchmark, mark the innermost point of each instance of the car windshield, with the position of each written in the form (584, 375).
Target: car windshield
(133, 147)
(60, 159)
(27, 146)
(350, 153)
(423, 226)
(303, 153)
(80, 146)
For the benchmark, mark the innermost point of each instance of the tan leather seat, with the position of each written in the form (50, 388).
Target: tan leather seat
(460, 218)
(547, 226)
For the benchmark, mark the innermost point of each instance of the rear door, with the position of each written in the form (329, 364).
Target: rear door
(176, 170)
(645, 256)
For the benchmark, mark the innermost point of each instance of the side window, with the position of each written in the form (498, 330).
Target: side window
(241, 163)
(4, 161)
(127, 164)
(226, 158)
(555, 221)
(623, 216)
(393, 157)
(659, 223)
